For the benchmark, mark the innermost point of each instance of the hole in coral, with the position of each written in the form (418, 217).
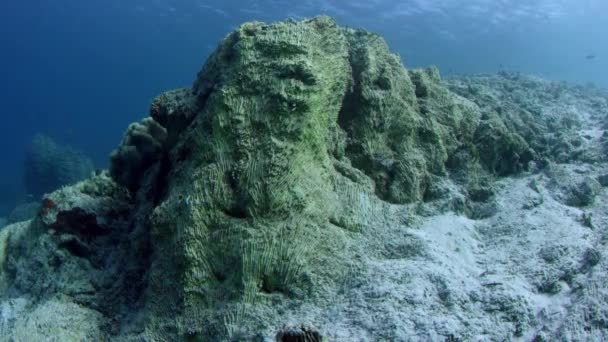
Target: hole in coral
(298, 334)
(236, 211)
(383, 83)
(184, 154)
(219, 275)
(298, 72)
(76, 248)
(268, 285)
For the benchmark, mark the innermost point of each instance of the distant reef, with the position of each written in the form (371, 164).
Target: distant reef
(308, 187)
(49, 165)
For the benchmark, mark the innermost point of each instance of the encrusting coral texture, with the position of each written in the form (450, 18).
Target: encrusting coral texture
(309, 187)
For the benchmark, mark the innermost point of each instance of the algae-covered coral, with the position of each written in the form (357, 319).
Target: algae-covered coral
(290, 192)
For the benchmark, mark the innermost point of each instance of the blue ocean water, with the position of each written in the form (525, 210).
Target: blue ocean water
(81, 71)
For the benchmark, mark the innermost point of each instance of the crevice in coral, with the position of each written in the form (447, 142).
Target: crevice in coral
(76, 247)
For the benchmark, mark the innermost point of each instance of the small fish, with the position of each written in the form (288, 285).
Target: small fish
(591, 56)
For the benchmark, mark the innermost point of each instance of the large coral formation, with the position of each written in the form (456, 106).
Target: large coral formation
(49, 165)
(280, 191)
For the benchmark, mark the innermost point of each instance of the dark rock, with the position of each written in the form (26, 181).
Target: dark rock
(174, 110)
(591, 258)
(583, 193)
(480, 194)
(603, 180)
(501, 151)
(550, 287)
(552, 254)
(481, 210)
(85, 210)
(299, 334)
(587, 220)
(143, 146)
(79, 222)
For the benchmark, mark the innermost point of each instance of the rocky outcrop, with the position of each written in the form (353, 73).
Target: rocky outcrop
(73, 258)
(308, 186)
(174, 110)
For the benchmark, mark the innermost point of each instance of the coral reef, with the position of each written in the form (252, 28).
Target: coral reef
(309, 187)
(545, 117)
(49, 165)
(75, 257)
